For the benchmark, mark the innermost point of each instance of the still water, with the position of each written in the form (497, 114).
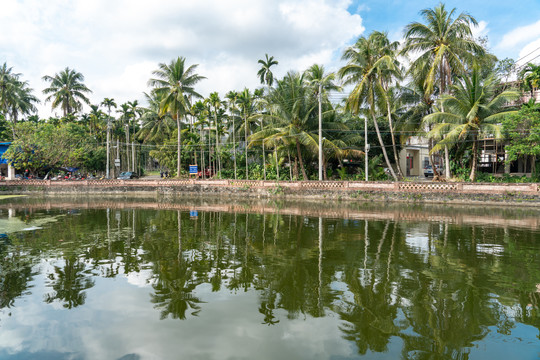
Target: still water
(194, 280)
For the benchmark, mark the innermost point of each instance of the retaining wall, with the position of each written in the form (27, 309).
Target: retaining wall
(388, 191)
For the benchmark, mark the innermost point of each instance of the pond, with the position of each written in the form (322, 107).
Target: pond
(191, 278)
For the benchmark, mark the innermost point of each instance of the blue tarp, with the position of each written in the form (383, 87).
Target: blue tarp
(3, 148)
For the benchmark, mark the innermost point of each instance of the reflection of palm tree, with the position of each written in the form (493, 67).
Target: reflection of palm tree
(15, 276)
(174, 289)
(174, 285)
(69, 283)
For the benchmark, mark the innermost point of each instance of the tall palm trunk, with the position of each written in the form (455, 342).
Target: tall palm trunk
(382, 147)
(304, 175)
(264, 155)
(245, 139)
(127, 148)
(179, 146)
(472, 177)
(396, 157)
(234, 150)
(217, 144)
(202, 152)
(277, 164)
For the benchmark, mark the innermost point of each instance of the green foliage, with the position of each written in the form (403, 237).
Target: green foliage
(505, 178)
(47, 146)
(522, 130)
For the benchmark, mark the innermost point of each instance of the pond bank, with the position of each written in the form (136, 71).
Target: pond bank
(415, 192)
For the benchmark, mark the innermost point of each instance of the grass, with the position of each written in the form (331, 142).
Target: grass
(2, 197)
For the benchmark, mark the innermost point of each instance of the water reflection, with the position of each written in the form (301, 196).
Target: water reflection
(409, 289)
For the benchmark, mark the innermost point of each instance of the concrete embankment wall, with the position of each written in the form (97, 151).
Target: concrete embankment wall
(523, 194)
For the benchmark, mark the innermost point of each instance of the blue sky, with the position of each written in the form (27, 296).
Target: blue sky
(116, 44)
(500, 17)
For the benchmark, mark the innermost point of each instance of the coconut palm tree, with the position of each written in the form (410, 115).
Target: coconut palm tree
(108, 103)
(7, 82)
(530, 75)
(67, 90)
(474, 109)
(445, 45)
(291, 107)
(201, 112)
(370, 61)
(231, 104)
(155, 125)
(265, 74)
(215, 102)
(175, 83)
(16, 97)
(246, 104)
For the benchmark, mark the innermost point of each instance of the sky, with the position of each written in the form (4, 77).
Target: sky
(116, 44)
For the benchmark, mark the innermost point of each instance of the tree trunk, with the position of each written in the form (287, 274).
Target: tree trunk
(290, 165)
(472, 177)
(127, 148)
(234, 150)
(396, 156)
(383, 148)
(264, 155)
(277, 164)
(447, 163)
(179, 146)
(217, 144)
(304, 175)
(245, 139)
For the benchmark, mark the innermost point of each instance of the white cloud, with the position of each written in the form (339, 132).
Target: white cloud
(519, 36)
(116, 44)
(480, 30)
(530, 53)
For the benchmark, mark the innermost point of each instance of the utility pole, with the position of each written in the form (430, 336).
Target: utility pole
(320, 134)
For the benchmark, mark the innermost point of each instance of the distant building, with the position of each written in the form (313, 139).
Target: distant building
(6, 170)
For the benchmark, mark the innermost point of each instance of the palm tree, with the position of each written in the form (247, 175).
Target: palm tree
(215, 102)
(231, 98)
(530, 75)
(67, 90)
(265, 74)
(200, 111)
(445, 44)
(15, 96)
(370, 61)
(126, 115)
(175, 83)
(155, 125)
(108, 103)
(321, 83)
(7, 81)
(245, 103)
(473, 110)
(292, 109)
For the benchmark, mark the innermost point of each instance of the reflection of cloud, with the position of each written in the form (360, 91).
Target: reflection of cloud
(119, 321)
(140, 279)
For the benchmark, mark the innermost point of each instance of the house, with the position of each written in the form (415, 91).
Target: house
(6, 170)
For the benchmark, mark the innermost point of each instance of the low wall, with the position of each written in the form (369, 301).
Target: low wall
(350, 190)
